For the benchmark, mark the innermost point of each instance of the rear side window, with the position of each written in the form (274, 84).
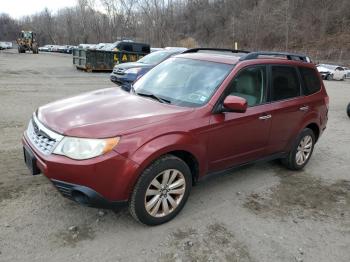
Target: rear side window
(311, 80)
(285, 83)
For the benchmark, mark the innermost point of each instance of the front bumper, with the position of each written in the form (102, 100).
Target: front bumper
(104, 181)
(85, 195)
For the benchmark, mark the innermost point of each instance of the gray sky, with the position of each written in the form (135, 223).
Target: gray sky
(18, 8)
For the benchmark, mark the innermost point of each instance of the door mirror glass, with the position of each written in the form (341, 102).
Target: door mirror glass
(235, 104)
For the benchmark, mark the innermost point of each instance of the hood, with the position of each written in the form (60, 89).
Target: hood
(105, 113)
(132, 65)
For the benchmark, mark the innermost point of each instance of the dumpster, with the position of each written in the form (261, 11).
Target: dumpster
(102, 60)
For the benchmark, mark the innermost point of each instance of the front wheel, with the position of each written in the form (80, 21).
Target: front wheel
(161, 191)
(302, 150)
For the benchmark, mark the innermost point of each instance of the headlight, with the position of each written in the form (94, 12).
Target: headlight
(133, 70)
(84, 148)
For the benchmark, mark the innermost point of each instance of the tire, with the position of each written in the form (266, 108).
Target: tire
(175, 168)
(291, 161)
(329, 77)
(348, 110)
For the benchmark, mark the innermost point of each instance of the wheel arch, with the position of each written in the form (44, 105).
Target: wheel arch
(181, 145)
(315, 128)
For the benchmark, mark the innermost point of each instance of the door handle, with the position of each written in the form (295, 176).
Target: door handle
(265, 117)
(304, 108)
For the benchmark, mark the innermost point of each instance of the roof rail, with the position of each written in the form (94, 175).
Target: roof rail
(289, 56)
(196, 50)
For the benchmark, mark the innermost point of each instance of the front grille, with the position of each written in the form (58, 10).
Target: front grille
(41, 137)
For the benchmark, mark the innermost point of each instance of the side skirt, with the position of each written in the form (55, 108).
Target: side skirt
(234, 168)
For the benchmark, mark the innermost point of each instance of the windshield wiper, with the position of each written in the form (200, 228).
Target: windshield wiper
(153, 96)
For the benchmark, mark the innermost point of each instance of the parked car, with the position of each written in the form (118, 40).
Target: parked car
(332, 72)
(347, 71)
(125, 74)
(9, 45)
(66, 49)
(45, 48)
(99, 46)
(3, 45)
(86, 46)
(192, 115)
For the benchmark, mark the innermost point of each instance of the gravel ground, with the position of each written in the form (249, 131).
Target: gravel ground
(258, 213)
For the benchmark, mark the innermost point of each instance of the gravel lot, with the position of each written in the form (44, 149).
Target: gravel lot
(258, 213)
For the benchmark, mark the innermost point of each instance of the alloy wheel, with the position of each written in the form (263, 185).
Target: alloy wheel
(304, 150)
(165, 193)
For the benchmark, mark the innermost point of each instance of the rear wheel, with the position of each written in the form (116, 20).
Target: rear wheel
(161, 191)
(302, 150)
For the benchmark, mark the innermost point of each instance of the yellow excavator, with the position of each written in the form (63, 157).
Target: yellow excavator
(27, 42)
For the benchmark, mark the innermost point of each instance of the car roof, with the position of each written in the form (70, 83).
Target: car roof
(233, 58)
(212, 57)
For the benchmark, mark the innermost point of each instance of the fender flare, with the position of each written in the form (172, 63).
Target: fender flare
(166, 144)
(311, 118)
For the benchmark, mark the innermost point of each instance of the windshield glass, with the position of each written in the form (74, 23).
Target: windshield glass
(183, 82)
(155, 58)
(27, 35)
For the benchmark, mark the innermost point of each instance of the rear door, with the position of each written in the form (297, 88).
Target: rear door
(287, 106)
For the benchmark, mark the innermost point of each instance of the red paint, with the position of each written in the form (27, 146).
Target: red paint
(149, 129)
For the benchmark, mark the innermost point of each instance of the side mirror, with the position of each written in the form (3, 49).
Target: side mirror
(235, 104)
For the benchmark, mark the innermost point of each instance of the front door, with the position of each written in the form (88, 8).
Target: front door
(236, 138)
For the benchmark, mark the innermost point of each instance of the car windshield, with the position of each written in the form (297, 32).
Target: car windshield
(27, 35)
(155, 58)
(182, 81)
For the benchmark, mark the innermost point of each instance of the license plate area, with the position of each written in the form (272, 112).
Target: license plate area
(30, 160)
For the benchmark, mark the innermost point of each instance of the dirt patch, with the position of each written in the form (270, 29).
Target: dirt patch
(215, 243)
(71, 237)
(302, 196)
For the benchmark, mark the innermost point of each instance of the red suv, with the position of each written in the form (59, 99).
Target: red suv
(197, 113)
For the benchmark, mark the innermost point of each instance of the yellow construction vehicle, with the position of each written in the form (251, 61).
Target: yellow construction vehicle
(27, 42)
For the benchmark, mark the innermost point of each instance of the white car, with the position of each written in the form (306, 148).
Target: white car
(333, 72)
(45, 48)
(3, 45)
(87, 46)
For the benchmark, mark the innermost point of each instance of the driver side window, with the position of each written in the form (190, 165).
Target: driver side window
(250, 84)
